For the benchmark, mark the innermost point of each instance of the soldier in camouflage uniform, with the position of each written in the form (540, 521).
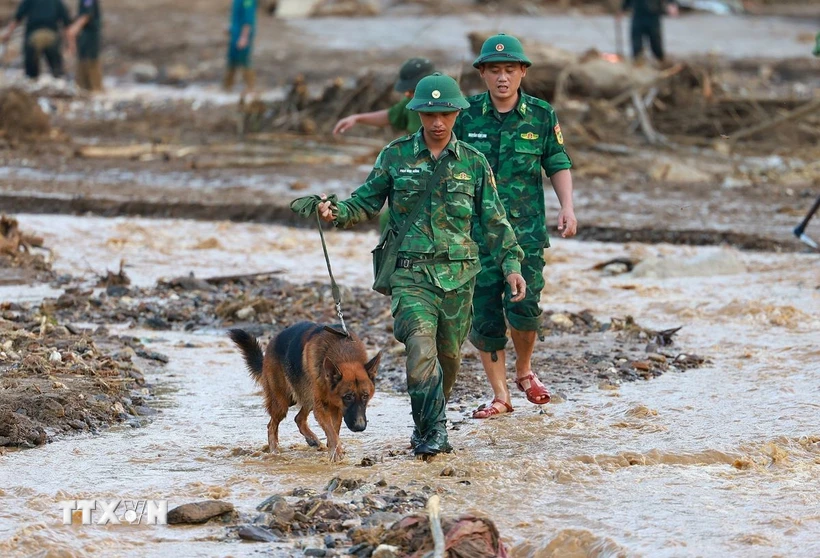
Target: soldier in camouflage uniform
(432, 286)
(398, 116)
(519, 135)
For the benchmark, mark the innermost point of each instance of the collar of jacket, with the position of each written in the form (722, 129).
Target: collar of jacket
(420, 147)
(487, 105)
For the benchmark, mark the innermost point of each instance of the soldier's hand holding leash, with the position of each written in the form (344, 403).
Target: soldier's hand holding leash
(325, 210)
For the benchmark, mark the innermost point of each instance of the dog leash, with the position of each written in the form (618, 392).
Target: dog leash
(334, 288)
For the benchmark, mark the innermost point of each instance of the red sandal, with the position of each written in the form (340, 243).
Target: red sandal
(537, 393)
(487, 411)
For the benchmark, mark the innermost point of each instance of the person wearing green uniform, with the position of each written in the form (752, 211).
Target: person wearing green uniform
(520, 135)
(432, 286)
(85, 33)
(44, 20)
(240, 44)
(398, 116)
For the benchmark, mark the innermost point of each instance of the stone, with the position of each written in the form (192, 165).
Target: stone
(562, 321)
(198, 512)
(257, 534)
(144, 72)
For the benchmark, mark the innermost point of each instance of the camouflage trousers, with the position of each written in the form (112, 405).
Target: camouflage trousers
(433, 326)
(491, 301)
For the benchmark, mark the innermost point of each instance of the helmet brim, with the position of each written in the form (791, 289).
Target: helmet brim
(439, 106)
(501, 57)
(405, 85)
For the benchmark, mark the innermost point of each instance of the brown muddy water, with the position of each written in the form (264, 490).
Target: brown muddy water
(722, 460)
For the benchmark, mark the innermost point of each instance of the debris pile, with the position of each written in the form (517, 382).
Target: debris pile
(21, 117)
(60, 378)
(16, 247)
(362, 519)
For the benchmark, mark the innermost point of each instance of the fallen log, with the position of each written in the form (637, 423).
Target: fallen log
(639, 89)
(805, 110)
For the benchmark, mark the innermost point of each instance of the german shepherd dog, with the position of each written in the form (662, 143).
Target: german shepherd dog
(319, 368)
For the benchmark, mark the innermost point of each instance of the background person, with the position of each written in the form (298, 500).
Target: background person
(646, 22)
(45, 19)
(85, 33)
(240, 45)
(398, 116)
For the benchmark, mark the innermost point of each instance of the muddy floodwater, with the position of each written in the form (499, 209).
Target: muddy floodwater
(721, 460)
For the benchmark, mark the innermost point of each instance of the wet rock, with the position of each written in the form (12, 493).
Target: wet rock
(655, 357)
(245, 313)
(116, 290)
(315, 552)
(157, 323)
(199, 512)
(562, 320)
(144, 72)
(374, 502)
(330, 541)
(144, 411)
(281, 512)
(381, 518)
(641, 365)
(153, 355)
(77, 424)
(258, 534)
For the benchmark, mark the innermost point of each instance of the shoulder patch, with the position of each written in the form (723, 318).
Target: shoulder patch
(559, 137)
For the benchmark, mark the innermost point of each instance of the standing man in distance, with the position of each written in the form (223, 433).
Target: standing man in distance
(520, 135)
(398, 116)
(432, 286)
(45, 20)
(240, 44)
(85, 34)
(646, 22)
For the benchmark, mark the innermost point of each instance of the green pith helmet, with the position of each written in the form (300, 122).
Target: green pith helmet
(411, 72)
(502, 48)
(817, 45)
(438, 93)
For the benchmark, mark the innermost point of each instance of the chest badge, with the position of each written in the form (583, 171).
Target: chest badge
(529, 136)
(462, 176)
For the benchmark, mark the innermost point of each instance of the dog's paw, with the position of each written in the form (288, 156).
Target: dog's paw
(337, 454)
(313, 442)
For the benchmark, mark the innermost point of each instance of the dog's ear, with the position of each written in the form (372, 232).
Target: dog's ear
(331, 372)
(373, 366)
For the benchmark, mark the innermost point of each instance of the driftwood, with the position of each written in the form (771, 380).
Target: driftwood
(234, 278)
(805, 110)
(639, 89)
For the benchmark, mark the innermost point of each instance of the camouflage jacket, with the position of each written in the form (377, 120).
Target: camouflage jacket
(403, 119)
(517, 147)
(445, 229)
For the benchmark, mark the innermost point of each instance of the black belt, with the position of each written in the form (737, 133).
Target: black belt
(407, 263)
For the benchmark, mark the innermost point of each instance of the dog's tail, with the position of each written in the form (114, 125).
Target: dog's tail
(250, 350)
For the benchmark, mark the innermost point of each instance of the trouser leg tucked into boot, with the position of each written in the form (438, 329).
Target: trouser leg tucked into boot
(425, 387)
